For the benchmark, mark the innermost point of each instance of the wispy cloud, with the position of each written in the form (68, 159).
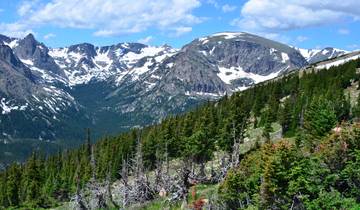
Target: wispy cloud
(301, 38)
(112, 17)
(27, 7)
(15, 29)
(343, 31)
(277, 15)
(228, 8)
(49, 36)
(214, 3)
(181, 31)
(146, 40)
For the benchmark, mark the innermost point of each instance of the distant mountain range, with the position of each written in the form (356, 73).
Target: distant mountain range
(317, 55)
(48, 94)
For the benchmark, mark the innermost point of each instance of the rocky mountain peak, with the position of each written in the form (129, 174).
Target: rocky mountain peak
(30, 38)
(36, 56)
(85, 49)
(316, 55)
(26, 47)
(14, 63)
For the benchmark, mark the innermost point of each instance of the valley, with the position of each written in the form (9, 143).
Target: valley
(52, 95)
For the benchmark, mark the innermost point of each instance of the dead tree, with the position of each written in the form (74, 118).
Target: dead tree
(163, 181)
(110, 198)
(224, 167)
(238, 140)
(78, 200)
(181, 184)
(141, 188)
(158, 185)
(97, 192)
(125, 182)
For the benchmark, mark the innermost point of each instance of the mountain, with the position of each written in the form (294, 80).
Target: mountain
(57, 92)
(233, 61)
(30, 107)
(316, 55)
(227, 154)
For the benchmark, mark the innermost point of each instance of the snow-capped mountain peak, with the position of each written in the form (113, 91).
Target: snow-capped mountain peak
(317, 55)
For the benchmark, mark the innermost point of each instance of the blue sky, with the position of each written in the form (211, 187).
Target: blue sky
(302, 23)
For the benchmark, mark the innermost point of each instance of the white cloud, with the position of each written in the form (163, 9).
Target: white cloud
(112, 17)
(49, 36)
(275, 36)
(27, 7)
(228, 8)
(15, 29)
(276, 15)
(343, 31)
(145, 40)
(301, 38)
(214, 3)
(181, 30)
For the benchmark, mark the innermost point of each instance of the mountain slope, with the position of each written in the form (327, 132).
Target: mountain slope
(30, 108)
(114, 88)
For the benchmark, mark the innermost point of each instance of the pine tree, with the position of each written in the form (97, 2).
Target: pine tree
(356, 108)
(319, 118)
(32, 182)
(3, 188)
(13, 185)
(266, 132)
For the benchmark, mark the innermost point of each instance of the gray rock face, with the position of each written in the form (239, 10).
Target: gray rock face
(85, 49)
(225, 62)
(5, 39)
(37, 53)
(252, 53)
(16, 79)
(29, 108)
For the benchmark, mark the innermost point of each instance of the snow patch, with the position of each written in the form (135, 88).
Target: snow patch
(272, 50)
(308, 53)
(58, 53)
(7, 107)
(232, 73)
(131, 57)
(228, 35)
(203, 52)
(170, 65)
(136, 72)
(337, 62)
(284, 57)
(102, 60)
(12, 44)
(27, 62)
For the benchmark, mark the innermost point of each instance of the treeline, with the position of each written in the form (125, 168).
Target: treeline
(306, 104)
